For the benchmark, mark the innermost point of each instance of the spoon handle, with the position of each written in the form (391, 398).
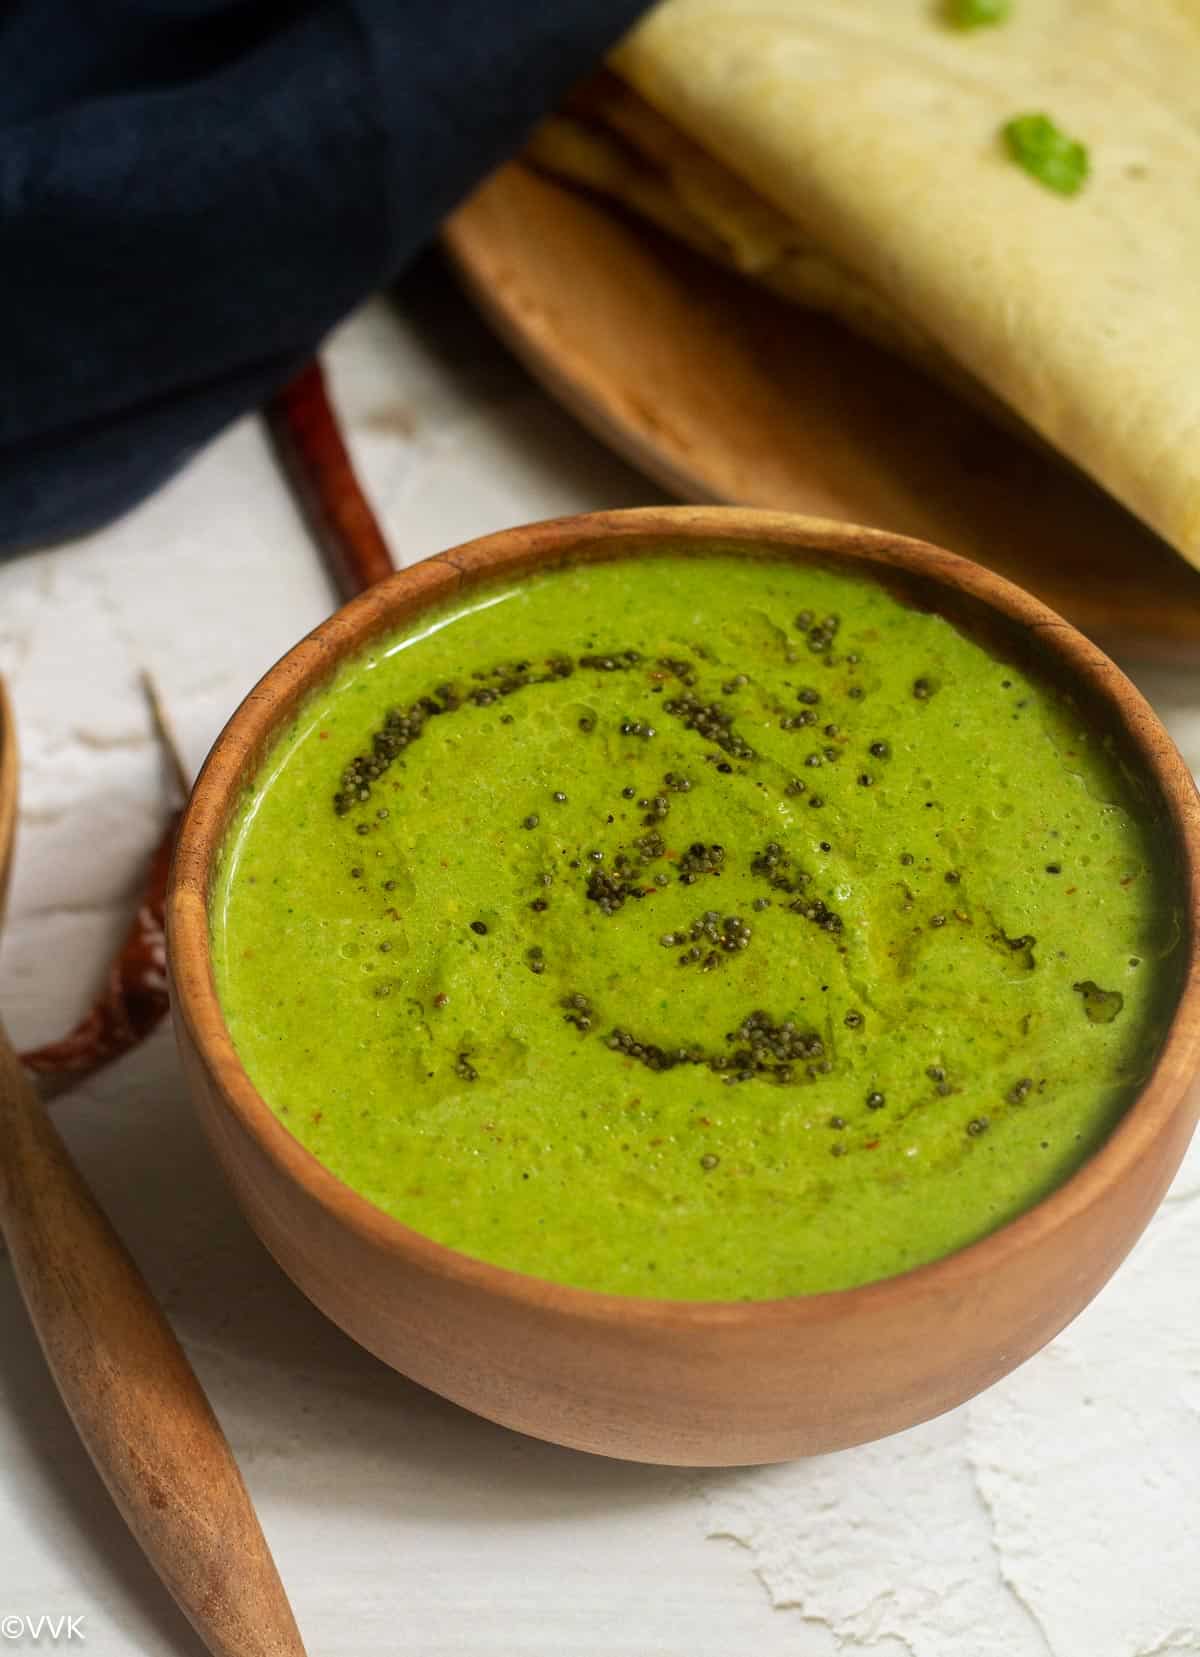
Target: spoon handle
(132, 1393)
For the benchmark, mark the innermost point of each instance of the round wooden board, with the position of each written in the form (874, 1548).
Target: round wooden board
(720, 392)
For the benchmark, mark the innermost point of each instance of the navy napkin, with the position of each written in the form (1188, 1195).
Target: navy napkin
(192, 192)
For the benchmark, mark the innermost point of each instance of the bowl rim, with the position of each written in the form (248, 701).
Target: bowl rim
(513, 553)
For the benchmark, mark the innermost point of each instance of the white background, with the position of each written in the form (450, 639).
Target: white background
(1056, 1516)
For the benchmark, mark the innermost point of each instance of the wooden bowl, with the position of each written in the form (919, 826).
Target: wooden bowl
(685, 1382)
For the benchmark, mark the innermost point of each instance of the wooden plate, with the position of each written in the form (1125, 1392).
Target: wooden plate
(722, 393)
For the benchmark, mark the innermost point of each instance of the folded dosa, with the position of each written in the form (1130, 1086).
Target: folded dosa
(874, 130)
(609, 139)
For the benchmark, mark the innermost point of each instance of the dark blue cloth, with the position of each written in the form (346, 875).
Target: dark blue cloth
(192, 192)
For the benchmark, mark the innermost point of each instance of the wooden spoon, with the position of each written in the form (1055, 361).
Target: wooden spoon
(123, 1375)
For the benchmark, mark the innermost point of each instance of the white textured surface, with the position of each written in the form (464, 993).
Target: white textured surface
(1058, 1514)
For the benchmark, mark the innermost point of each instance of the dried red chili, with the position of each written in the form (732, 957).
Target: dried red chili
(308, 440)
(134, 999)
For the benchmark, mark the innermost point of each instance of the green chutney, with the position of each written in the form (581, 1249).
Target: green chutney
(703, 928)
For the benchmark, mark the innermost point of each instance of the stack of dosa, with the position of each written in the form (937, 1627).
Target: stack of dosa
(848, 154)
